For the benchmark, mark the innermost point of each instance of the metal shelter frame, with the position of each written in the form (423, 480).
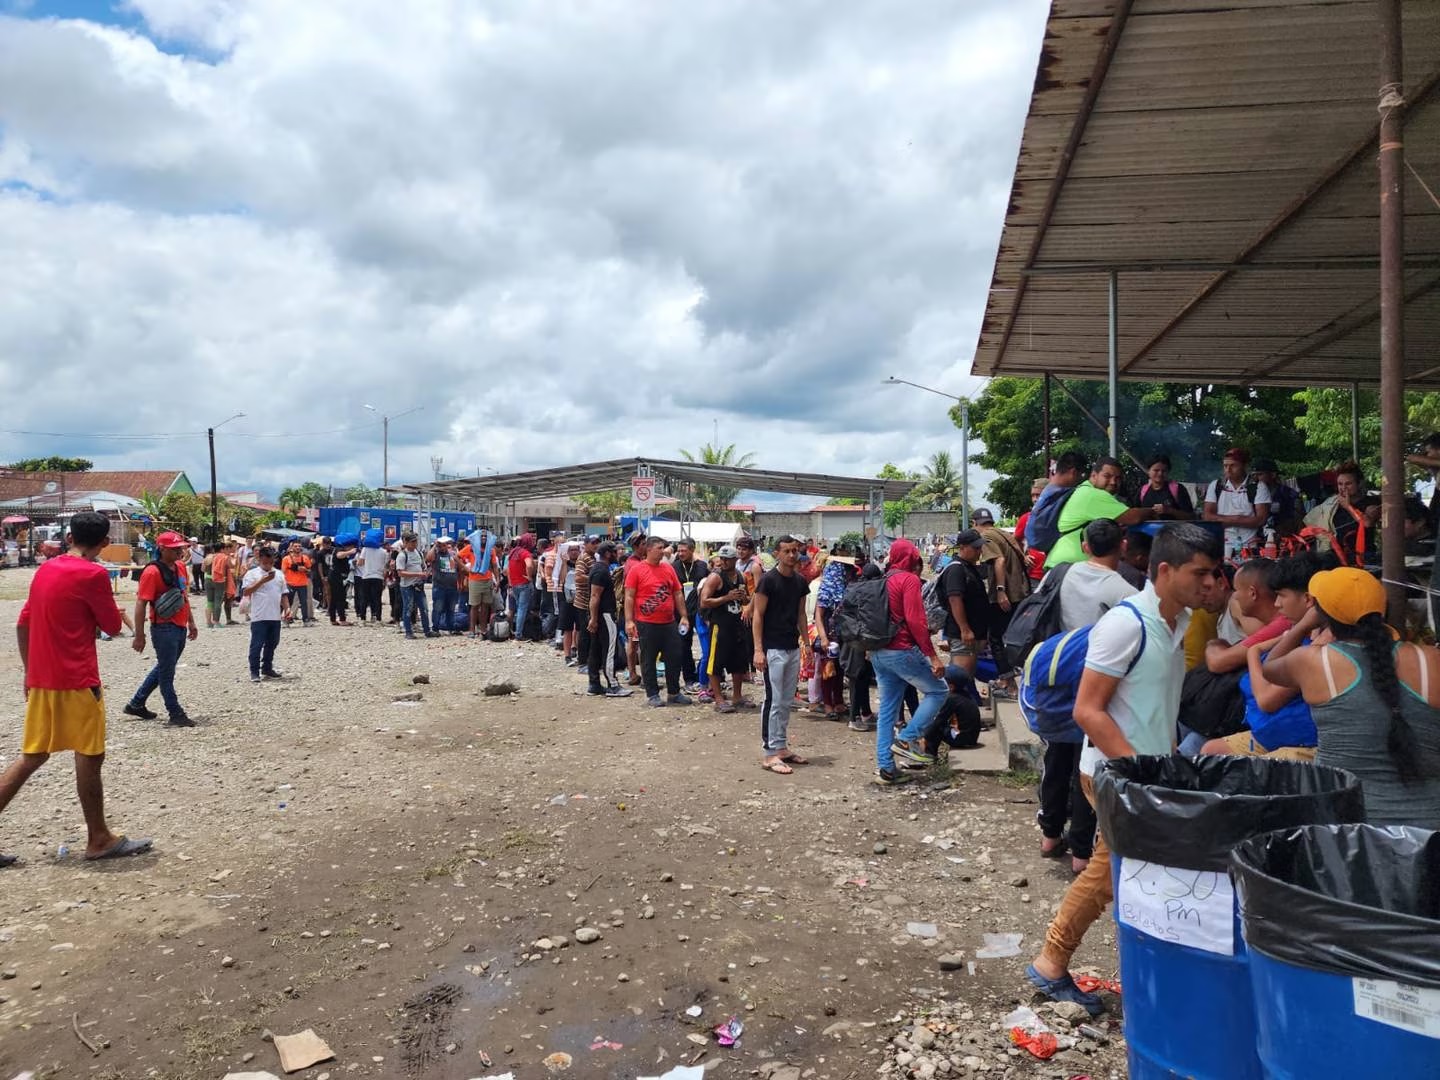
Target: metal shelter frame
(1222, 160)
(497, 494)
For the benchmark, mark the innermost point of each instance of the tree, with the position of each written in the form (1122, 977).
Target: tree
(1193, 425)
(605, 504)
(53, 464)
(940, 485)
(896, 510)
(713, 500)
(152, 505)
(309, 494)
(293, 500)
(360, 495)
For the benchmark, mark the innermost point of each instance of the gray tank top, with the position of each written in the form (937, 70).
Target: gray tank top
(1352, 727)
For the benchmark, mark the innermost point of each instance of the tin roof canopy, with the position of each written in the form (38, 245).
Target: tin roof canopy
(607, 475)
(1221, 159)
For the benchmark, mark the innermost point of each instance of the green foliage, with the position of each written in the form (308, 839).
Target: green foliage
(360, 495)
(606, 505)
(853, 540)
(53, 464)
(896, 510)
(1326, 424)
(712, 501)
(313, 494)
(1193, 425)
(940, 485)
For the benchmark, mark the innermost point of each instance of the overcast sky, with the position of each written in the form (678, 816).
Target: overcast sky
(565, 230)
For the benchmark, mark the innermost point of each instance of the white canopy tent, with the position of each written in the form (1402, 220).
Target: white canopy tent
(708, 534)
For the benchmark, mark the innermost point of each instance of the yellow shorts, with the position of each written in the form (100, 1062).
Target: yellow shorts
(57, 720)
(1243, 744)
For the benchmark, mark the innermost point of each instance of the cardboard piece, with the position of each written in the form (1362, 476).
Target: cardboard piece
(302, 1050)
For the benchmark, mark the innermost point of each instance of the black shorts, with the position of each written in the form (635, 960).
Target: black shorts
(728, 652)
(570, 616)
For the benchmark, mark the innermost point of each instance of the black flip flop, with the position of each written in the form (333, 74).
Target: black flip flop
(121, 848)
(8, 860)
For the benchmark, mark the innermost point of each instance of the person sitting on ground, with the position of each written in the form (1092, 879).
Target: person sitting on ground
(957, 724)
(1172, 498)
(1376, 701)
(1096, 498)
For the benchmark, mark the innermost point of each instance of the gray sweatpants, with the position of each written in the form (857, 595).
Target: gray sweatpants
(782, 673)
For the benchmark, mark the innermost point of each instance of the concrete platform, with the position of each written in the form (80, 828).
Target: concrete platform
(1010, 744)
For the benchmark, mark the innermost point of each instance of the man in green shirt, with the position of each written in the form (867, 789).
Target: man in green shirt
(1093, 499)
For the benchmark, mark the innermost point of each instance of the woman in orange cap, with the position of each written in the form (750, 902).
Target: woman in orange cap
(1376, 701)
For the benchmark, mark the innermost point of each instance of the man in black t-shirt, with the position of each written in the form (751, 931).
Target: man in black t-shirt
(602, 625)
(967, 598)
(778, 628)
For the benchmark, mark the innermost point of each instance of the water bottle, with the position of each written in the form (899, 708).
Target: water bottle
(1270, 549)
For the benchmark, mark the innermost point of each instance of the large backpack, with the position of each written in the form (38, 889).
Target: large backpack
(934, 599)
(1052, 675)
(1036, 617)
(1042, 531)
(1211, 703)
(864, 616)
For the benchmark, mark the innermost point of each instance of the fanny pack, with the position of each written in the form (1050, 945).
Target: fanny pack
(170, 602)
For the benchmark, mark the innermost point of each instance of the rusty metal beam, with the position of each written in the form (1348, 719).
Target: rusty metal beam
(1067, 159)
(1336, 169)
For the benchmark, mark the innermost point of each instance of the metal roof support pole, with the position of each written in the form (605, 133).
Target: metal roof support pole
(1112, 293)
(1354, 421)
(964, 463)
(1045, 421)
(1392, 306)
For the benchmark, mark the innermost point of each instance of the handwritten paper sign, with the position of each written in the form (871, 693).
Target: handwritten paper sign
(1194, 908)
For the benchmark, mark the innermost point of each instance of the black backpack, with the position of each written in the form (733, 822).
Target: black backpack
(1212, 704)
(1035, 618)
(864, 616)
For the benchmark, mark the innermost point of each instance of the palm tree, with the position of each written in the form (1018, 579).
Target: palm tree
(712, 500)
(292, 499)
(940, 486)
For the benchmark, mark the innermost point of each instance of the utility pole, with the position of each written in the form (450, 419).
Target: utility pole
(214, 493)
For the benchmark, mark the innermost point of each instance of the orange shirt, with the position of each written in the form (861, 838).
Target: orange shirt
(464, 559)
(297, 570)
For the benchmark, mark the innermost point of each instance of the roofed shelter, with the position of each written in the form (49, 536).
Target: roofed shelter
(677, 479)
(1197, 200)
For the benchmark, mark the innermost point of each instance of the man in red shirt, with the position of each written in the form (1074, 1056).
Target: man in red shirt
(69, 600)
(172, 624)
(654, 603)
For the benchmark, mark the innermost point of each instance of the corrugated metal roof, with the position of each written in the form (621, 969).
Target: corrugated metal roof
(1202, 138)
(607, 475)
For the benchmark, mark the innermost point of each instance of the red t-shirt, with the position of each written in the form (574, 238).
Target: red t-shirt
(1269, 632)
(69, 600)
(152, 585)
(1020, 523)
(655, 588)
(519, 564)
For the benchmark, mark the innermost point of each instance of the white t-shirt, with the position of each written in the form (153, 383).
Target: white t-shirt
(1234, 499)
(371, 562)
(1089, 591)
(1146, 702)
(265, 601)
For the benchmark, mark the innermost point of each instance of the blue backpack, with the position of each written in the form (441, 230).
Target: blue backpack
(1051, 677)
(1042, 530)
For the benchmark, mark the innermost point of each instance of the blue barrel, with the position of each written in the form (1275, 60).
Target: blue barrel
(1170, 824)
(1343, 924)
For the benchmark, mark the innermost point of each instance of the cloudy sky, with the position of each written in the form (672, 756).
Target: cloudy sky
(561, 231)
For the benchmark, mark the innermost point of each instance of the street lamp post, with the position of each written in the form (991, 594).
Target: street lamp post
(214, 494)
(964, 404)
(385, 445)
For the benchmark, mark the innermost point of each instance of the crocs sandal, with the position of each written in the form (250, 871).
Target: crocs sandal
(1064, 989)
(121, 848)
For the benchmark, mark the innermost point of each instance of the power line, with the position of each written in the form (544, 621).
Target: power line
(132, 437)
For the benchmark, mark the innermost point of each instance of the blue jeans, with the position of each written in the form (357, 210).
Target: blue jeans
(896, 669)
(264, 637)
(414, 600)
(169, 642)
(443, 599)
(519, 605)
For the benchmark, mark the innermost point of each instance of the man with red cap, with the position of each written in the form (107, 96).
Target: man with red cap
(163, 595)
(1240, 506)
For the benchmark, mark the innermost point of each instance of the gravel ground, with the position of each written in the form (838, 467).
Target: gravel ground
(419, 881)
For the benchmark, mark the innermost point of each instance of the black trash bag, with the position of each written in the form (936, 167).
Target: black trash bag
(1189, 812)
(1354, 900)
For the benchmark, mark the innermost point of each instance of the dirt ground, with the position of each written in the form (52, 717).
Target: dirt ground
(381, 872)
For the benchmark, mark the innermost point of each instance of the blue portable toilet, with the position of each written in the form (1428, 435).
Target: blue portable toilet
(1170, 823)
(1343, 927)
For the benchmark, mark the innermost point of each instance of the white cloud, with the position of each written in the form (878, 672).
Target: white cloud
(568, 231)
